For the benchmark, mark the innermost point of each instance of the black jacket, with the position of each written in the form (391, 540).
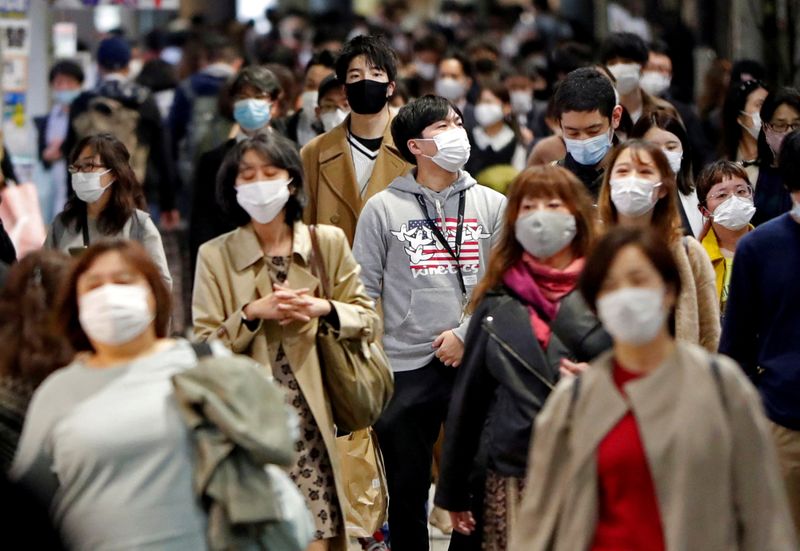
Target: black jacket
(160, 178)
(591, 176)
(503, 383)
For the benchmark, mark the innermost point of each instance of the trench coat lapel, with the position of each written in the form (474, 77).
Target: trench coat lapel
(388, 165)
(336, 168)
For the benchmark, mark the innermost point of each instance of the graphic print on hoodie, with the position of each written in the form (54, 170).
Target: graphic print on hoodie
(405, 266)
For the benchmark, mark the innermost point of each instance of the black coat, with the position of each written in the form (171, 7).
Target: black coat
(503, 383)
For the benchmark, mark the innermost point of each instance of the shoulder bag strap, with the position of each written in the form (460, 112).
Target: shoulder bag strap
(202, 349)
(318, 263)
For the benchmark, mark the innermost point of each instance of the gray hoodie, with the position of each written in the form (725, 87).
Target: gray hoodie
(405, 266)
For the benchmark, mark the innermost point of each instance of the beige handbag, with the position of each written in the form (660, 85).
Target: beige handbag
(357, 377)
(364, 480)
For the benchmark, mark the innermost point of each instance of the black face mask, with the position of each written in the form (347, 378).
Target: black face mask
(367, 97)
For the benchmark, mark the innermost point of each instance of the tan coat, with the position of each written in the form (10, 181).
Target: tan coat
(697, 310)
(231, 272)
(714, 467)
(330, 178)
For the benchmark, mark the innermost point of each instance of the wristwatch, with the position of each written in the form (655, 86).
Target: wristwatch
(251, 324)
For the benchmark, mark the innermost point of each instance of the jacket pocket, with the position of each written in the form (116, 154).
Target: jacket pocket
(430, 312)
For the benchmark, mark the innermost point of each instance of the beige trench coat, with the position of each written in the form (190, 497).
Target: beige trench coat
(231, 272)
(714, 468)
(330, 178)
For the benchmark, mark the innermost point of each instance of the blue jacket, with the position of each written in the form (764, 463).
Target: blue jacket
(761, 329)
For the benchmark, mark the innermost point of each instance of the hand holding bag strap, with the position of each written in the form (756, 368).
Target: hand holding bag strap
(318, 263)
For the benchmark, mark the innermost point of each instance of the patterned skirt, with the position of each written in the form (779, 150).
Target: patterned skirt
(501, 505)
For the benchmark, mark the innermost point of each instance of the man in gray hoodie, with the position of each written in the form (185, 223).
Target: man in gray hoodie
(423, 244)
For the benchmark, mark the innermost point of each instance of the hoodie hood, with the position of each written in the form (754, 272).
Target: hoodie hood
(408, 183)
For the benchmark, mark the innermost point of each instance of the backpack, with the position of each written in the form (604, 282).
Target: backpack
(105, 114)
(206, 130)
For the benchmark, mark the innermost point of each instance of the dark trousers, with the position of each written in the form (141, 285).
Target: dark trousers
(407, 431)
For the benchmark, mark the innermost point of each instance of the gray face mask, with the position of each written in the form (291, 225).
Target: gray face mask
(543, 233)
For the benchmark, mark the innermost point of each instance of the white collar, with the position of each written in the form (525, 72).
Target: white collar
(496, 142)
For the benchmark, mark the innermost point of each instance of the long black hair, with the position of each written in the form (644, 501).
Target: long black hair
(734, 104)
(667, 122)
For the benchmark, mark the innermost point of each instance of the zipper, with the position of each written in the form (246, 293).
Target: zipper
(513, 354)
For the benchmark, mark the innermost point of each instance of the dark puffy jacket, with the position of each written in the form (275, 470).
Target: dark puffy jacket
(503, 383)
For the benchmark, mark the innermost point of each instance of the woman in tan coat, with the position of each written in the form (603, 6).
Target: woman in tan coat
(639, 190)
(255, 290)
(659, 445)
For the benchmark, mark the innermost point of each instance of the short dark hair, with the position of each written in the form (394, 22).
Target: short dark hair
(138, 258)
(324, 58)
(749, 68)
(716, 172)
(466, 64)
(658, 46)
(624, 46)
(783, 96)
(68, 69)
(431, 42)
(126, 192)
(585, 90)
(668, 122)
(789, 161)
(257, 77)
(280, 152)
(374, 48)
(219, 48)
(570, 56)
(647, 240)
(328, 83)
(414, 117)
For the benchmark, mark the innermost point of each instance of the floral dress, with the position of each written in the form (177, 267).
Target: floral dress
(312, 471)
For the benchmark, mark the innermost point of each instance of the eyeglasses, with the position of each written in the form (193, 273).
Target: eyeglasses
(743, 192)
(84, 167)
(782, 127)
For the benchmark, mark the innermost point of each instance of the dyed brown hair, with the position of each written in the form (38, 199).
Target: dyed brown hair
(138, 259)
(31, 348)
(666, 218)
(538, 182)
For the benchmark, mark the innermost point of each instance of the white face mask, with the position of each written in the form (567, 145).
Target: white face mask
(115, 314)
(263, 200)
(450, 89)
(487, 114)
(87, 185)
(755, 118)
(795, 212)
(308, 102)
(332, 119)
(453, 149)
(734, 213)
(521, 102)
(627, 76)
(633, 315)
(655, 83)
(425, 70)
(674, 158)
(543, 233)
(633, 196)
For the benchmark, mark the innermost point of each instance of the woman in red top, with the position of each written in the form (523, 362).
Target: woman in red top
(659, 444)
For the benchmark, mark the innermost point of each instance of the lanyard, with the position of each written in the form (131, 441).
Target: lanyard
(85, 230)
(455, 254)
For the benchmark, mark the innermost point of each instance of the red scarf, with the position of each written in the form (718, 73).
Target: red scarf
(541, 288)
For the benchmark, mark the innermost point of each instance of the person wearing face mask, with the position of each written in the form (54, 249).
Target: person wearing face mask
(780, 115)
(761, 329)
(421, 73)
(66, 80)
(106, 204)
(103, 442)
(528, 304)
(358, 158)
(116, 97)
(741, 124)
(670, 135)
(625, 54)
(496, 140)
(726, 200)
(586, 108)
(639, 191)
(654, 442)
(253, 92)
(256, 291)
(454, 82)
(423, 245)
(332, 107)
(303, 125)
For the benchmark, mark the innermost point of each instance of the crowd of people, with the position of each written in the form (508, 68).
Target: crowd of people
(534, 239)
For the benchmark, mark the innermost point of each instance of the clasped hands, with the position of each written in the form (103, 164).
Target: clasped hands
(287, 305)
